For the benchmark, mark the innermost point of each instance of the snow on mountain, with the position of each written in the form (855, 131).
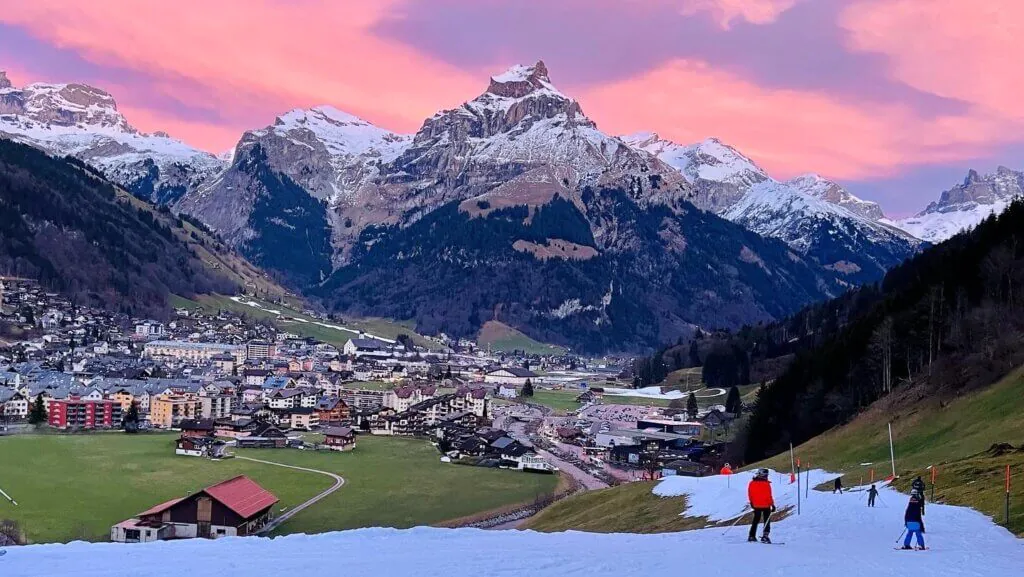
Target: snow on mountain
(837, 532)
(83, 121)
(829, 191)
(520, 123)
(965, 205)
(720, 173)
(813, 215)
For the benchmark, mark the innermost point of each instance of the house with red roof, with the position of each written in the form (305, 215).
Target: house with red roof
(236, 507)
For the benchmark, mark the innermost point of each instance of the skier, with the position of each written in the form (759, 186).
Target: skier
(918, 485)
(872, 493)
(913, 521)
(726, 470)
(759, 492)
(837, 486)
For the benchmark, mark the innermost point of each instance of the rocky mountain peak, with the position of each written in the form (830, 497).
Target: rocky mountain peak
(4, 81)
(520, 81)
(972, 177)
(832, 192)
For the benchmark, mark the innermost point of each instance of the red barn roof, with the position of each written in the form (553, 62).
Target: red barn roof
(242, 495)
(161, 507)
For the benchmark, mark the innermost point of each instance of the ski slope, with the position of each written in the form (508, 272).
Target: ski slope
(836, 535)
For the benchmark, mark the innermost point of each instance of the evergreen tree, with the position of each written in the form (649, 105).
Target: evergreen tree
(130, 422)
(694, 354)
(733, 404)
(691, 406)
(527, 389)
(37, 416)
(448, 372)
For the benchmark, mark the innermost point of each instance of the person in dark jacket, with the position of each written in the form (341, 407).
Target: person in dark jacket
(837, 486)
(912, 519)
(872, 493)
(918, 485)
(759, 492)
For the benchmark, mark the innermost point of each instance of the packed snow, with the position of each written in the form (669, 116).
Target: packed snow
(835, 535)
(646, 393)
(357, 332)
(939, 226)
(710, 160)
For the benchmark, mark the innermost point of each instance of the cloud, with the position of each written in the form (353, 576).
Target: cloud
(725, 12)
(262, 57)
(788, 131)
(959, 49)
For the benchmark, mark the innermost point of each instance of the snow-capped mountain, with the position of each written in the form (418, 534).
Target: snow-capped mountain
(816, 217)
(83, 121)
(829, 191)
(327, 153)
(966, 204)
(720, 173)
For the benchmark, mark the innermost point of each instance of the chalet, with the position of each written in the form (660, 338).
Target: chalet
(236, 507)
(340, 438)
(332, 410)
(366, 347)
(263, 436)
(200, 447)
(509, 376)
(13, 405)
(196, 427)
(234, 427)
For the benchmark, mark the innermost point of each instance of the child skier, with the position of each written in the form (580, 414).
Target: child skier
(759, 492)
(837, 486)
(872, 493)
(912, 518)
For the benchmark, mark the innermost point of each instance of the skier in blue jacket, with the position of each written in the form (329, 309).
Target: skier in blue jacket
(912, 518)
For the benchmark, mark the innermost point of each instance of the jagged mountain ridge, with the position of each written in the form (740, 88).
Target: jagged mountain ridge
(816, 217)
(965, 205)
(84, 122)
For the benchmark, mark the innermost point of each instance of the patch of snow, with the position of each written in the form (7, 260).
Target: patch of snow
(645, 393)
(834, 535)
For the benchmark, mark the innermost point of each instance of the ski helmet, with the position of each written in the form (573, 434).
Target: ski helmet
(761, 474)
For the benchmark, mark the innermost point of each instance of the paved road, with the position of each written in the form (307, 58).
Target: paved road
(586, 479)
(338, 482)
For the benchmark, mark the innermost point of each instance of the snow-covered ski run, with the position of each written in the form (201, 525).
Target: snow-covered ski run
(835, 535)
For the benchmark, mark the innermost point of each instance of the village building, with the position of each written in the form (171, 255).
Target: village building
(259, 350)
(13, 405)
(363, 347)
(332, 410)
(210, 447)
(189, 351)
(236, 507)
(76, 413)
(509, 376)
(196, 427)
(168, 411)
(216, 406)
(340, 438)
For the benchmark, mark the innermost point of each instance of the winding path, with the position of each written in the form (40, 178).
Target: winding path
(338, 482)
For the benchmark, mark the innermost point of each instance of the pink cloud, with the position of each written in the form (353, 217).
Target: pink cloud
(954, 48)
(300, 54)
(788, 131)
(727, 11)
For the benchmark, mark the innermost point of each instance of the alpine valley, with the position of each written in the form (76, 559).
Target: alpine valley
(513, 207)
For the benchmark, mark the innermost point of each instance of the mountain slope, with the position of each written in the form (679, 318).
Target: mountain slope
(596, 271)
(815, 216)
(966, 204)
(57, 215)
(943, 324)
(82, 121)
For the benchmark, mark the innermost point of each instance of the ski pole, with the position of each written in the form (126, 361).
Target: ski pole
(735, 522)
(901, 535)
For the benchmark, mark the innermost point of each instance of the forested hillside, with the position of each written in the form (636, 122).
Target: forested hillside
(64, 224)
(946, 322)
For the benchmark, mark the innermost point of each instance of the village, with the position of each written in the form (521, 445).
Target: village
(222, 383)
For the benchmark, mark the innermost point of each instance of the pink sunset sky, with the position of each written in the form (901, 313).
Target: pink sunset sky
(894, 98)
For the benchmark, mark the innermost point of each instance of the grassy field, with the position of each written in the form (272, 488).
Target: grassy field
(501, 337)
(563, 401)
(379, 327)
(955, 437)
(76, 487)
(630, 508)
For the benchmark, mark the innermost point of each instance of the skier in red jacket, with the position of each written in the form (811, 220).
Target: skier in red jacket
(759, 492)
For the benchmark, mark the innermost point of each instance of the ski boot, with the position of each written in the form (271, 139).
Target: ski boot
(751, 539)
(907, 548)
(765, 539)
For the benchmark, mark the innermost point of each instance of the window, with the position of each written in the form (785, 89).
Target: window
(221, 532)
